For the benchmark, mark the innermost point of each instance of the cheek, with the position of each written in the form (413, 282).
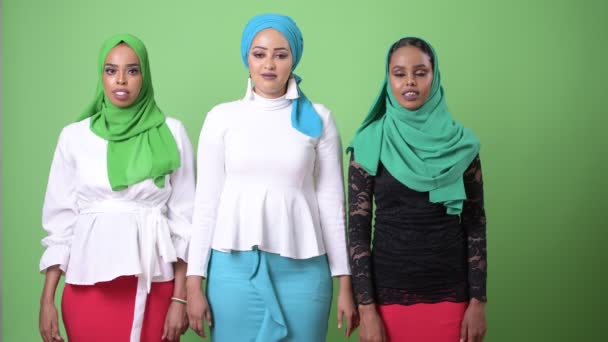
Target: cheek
(427, 87)
(286, 67)
(107, 81)
(137, 84)
(254, 65)
(395, 85)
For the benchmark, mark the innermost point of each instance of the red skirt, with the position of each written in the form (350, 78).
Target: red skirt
(118, 310)
(438, 322)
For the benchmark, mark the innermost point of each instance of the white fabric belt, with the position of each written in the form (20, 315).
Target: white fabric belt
(153, 234)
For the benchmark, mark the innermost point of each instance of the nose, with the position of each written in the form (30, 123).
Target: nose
(410, 81)
(269, 63)
(121, 78)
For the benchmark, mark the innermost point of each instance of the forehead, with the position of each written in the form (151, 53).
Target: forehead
(409, 55)
(270, 37)
(122, 53)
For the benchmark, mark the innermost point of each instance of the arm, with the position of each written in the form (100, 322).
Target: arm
(48, 317)
(210, 181)
(329, 188)
(179, 214)
(181, 202)
(209, 185)
(360, 195)
(58, 218)
(473, 220)
(474, 224)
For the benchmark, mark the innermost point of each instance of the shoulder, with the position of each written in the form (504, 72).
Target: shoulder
(226, 108)
(75, 130)
(220, 116)
(178, 130)
(323, 111)
(329, 124)
(174, 124)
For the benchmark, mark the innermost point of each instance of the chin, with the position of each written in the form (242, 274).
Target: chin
(412, 106)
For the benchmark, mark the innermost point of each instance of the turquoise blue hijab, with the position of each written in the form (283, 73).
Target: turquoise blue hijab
(424, 149)
(304, 117)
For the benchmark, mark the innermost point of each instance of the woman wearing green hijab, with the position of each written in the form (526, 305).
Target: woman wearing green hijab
(425, 277)
(118, 211)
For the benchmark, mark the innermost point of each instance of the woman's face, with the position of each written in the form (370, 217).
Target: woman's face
(122, 77)
(270, 62)
(411, 76)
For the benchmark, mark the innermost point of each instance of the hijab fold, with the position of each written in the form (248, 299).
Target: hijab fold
(424, 149)
(304, 117)
(140, 144)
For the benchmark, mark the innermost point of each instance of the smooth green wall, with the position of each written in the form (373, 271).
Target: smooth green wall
(527, 76)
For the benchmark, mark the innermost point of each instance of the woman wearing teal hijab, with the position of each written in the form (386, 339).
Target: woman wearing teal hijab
(268, 224)
(424, 279)
(118, 211)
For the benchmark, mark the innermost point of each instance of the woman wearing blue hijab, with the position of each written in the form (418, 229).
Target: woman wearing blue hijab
(268, 228)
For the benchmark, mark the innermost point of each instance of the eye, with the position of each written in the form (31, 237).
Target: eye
(282, 56)
(134, 71)
(399, 74)
(258, 55)
(421, 73)
(110, 71)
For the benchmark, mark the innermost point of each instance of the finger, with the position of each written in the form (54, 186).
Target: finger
(349, 324)
(55, 331)
(463, 333)
(340, 317)
(171, 334)
(165, 328)
(471, 336)
(197, 326)
(184, 327)
(43, 332)
(201, 329)
(208, 316)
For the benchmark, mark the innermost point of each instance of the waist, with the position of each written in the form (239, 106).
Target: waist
(121, 206)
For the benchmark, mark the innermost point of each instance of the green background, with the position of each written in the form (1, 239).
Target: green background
(527, 76)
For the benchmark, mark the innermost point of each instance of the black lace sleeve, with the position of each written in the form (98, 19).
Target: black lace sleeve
(360, 196)
(474, 224)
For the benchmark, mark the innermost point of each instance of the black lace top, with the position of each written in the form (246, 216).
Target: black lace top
(420, 254)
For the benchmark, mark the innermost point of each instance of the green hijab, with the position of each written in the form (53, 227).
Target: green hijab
(140, 144)
(424, 149)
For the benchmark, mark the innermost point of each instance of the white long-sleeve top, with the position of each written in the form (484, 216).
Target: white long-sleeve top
(261, 183)
(96, 234)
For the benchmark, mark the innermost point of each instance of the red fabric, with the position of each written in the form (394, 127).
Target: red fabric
(157, 306)
(423, 322)
(104, 312)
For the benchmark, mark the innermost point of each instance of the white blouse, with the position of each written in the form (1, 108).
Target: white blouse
(96, 234)
(261, 183)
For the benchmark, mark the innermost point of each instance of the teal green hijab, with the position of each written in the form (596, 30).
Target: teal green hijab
(424, 149)
(140, 144)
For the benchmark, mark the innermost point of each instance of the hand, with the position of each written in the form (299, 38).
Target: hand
(197, 307)
(371, 328)
(346, 309)
(473, 327)
(49, 322)
(176, 322)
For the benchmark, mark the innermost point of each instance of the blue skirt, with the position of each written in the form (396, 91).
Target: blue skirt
(264, 297)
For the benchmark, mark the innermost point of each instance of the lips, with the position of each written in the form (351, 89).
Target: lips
(269, 76)
(120, 94)
(411, 95)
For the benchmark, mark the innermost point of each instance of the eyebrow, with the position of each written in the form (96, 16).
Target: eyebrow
(128, 65)
(415, 66)
(264, 48)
